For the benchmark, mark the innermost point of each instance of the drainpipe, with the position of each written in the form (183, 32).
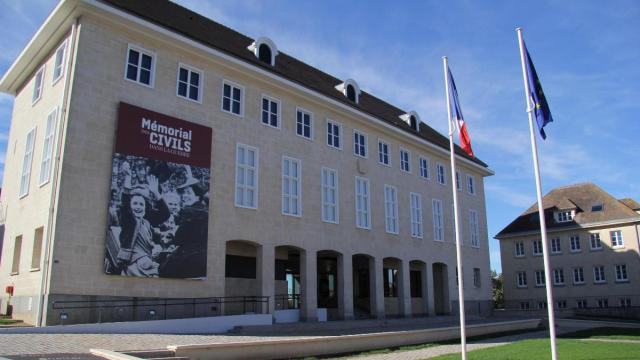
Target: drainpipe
(63, 119)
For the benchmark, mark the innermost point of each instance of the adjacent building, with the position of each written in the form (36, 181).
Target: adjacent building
(593, 246)
(157, 155)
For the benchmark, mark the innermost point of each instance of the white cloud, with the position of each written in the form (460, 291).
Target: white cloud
(509, 195)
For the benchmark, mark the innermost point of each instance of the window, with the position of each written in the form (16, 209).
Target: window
(442, 177)
(537, 247)
(473, 228)
(519, 249)
(558, 277)
(189, 83)
(476, 277)
(562, 304)
(564, 216)
(334, 133)
(578, 275)
(458, 185)
(415, 283)
(383, 153)
(351, 93)
(363, 204)
(37, 249)
(359, 144)
(598, 274)
(416, 214)
(616, 239)
(291, 186)
(270, 111)
(471, 185)
(26, 162)
(304, 123)
(424, 168)
(17, 249)
(405, 160)
(390, 282)
(246, 176)
(391, 209)
(625, 302)
(521, 279)
(581, 304)
(603, 303)
(47, 149)
(575, 243)
(596, 244)
(264, 54)
(438, 231)
(58, 65)
(621, 273)
(232, 98)
(329, 195)
(555, 246)
(542, 305)
(540, 278)
(37, 85)
(597, 207)
(524, 305)
(140, 66)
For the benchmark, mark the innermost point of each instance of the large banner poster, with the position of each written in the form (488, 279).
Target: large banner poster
(159, 204)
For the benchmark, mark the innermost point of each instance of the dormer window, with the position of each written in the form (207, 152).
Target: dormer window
(412, 119)
(564, 216)
(597, 207)
(265, 50)
(350, 90)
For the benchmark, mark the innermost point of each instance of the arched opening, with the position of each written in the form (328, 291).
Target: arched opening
(413, 122)
(391, 283)
(265, 54)
(240, 276)
(328, 294)
(418, 287)
(351, 93)
(287, 278)
(441, 289)
(363, 286)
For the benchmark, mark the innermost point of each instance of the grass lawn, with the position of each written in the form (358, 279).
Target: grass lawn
(568, 349)
(4, 321)
(606, 333)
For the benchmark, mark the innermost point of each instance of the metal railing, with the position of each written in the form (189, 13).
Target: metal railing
(141, 309)
(287, 301)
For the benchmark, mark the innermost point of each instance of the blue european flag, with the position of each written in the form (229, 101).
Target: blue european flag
(538, 100)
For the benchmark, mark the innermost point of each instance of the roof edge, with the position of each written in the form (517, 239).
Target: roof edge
(504, 236)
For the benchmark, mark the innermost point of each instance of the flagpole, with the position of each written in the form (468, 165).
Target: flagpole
(543, 225)
(463, 330)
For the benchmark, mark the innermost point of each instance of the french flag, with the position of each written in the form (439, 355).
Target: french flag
(457, 118)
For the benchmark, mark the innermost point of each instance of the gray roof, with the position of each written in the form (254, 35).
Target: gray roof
(208, 32)
(581, 197)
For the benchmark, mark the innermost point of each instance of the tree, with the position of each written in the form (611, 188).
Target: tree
(497, 283)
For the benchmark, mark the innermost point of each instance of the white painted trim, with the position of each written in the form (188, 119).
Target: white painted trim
(337, 204)
(395, 209)
(257, 171)
(402, 149)
(44, 150)
(380, 141)
(476, 230)
(263, 40)
(471, 185)
(63, 61)
(366, 144)
(428, 162)
(419, 219)
(31, 150)
(355, 201)
(154, 59)
(190, 70)
(323, 98)
(42, 70)
(311, 123)
(279, 114)
(444, 173)
(341, 136)
(298, 185)
(433, 215)
(232, 85)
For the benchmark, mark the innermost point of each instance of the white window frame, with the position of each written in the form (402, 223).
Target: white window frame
(142, 51)
(521, 279)
(62, 64)
(519, 245)
(595, 238)
(232, 85)
(540, 279)
(404, 163)
(332, 136)
(534, 247)
(366, 144)
(244, 167)
(599, 274)
(558, 277)
(326, 189)
(38, 86)
(366, 202)
(391, 218)
(415, 209)
(47, 148)
(617, 241)
(554, 242)
(458, 182)
(304, 111)
(573, 240)
(471, 184)
(441, 174)
(271, 100)
(580, 272)
(474, 229)
(289, 198)
(621, 269)
(190, 70)
(438, 220)
(424, 170)
(382, 143)
(27, 160)
(563, 216)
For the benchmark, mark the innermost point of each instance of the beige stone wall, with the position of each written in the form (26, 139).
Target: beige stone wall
(567, 260)
(24, 215)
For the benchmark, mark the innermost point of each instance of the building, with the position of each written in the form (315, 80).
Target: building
(156, 143)
(593, 248)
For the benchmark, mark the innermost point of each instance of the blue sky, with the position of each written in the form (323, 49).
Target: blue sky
(586, 53)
